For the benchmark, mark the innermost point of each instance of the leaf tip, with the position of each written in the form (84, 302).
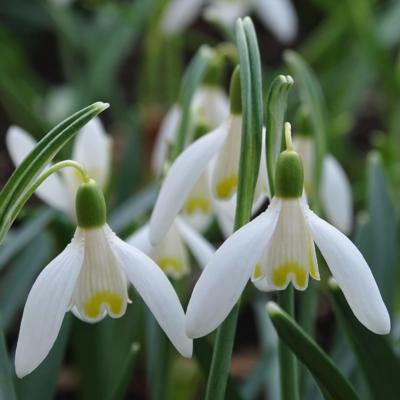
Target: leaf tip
(273, 309)
(100, 106)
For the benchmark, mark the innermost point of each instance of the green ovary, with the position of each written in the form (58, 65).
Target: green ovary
(93, 306)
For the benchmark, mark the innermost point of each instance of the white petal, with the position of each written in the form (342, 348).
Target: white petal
(141, 240)
(181, 179)
(262, 187)
(224, 278)
(157, 292)
(92, 148)
(352, 273)
(198, 210)
(179, 14)
(102, 287)
(336, 195)
(52, 190)
(304, 145)
(226, 12)
(290, 255)
(45, 308)
(280, 17)
(225, 214)
(170, 254)
(226, 170)
(210, 105)
(165, 138)
(201, 249)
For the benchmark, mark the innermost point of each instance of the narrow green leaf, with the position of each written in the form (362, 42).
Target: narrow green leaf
(22, 236)
(250, 154)
(190, 81)
(312, 97)
(7, 390)
(37, 159)
(376, 358)
(308, 352)
(377, 237)
(274, 119)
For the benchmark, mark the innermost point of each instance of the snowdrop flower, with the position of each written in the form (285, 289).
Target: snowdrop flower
(92, 149)
(222, 143)
(277, 248)
(90, 279)
(277, 15)
(335, 191)
(170, 254)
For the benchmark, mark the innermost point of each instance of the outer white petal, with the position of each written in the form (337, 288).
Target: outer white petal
(336, 195)
(157, 292)
(92, 148)
(52, 190)
(352, 273)
(226, 170)
(166, 137)
(225, 214)
(179, 14)
(279, 16)
(141, 240)
(181, 179)
(210, 105)
(47, 303)
(201, 249)
(304, 145)
(224, 278)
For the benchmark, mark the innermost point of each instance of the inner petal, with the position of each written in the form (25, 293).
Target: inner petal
(290, 255)
(102, 286)
(170, 254)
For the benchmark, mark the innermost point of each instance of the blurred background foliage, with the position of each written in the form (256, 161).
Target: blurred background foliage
(58, 56)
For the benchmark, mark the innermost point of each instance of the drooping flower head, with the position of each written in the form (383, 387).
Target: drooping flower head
(276, 249)
(90, 279)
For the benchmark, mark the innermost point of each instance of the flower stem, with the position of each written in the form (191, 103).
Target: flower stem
(287, 362)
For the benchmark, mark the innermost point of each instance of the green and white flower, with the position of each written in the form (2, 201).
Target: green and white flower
(92, 148)
(277, 248)
(90, 278)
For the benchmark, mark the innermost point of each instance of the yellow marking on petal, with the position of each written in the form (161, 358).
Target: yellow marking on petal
(280, 275)
(226, 187)
(93, 307)
(311, 262)
(196, 203)
(257, 272)
(171, 265)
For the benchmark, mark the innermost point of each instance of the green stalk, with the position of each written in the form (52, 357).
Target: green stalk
(251, 96)
(287, 361)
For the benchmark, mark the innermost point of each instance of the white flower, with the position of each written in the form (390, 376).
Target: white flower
(277, 15)
(170, 254)
(92, 149)
(277, 248)
(335, 190)
(90, 279)
(187, 169)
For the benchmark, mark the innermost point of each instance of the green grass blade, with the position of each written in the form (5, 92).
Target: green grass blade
(376, 358)
(310, 354)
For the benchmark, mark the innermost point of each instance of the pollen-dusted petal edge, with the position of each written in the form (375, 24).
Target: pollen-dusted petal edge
(181, 179)
(352, 273)
(225, 276)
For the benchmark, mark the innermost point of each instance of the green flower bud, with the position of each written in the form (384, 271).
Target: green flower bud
(235, 93)
(289, 178)
(90, 205)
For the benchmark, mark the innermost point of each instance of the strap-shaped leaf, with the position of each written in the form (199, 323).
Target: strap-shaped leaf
(26, 173)
(376, 357)
(7, 390)
(274, 118)
(191, 80)
(330, 380)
